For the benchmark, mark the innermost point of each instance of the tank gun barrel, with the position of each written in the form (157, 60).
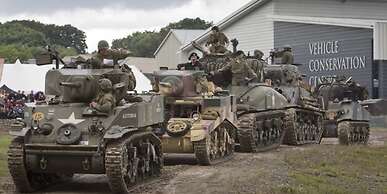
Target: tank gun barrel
(70, 84)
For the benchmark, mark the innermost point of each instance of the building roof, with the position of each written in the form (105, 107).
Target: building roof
(184, 36)
(243, 11)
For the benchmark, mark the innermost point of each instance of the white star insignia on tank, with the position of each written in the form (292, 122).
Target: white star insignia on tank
(71, 120)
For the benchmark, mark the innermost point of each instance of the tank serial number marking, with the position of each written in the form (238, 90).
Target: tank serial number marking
(129, 116)
(38, 116)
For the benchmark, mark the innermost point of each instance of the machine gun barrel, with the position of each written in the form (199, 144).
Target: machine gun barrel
(70, 84)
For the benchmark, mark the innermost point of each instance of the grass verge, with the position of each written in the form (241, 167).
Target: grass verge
(4, 142)
(337, 169)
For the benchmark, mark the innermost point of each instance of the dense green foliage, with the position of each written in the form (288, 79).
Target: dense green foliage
(144, 44)
(23, 39)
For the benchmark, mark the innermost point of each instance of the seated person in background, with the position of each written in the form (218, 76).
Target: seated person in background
(194, 63)
(105, 101)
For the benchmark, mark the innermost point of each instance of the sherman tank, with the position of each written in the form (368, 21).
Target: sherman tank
(64, 135)
(303, 109)
(346, 117)
(199, 120)
(261, 110)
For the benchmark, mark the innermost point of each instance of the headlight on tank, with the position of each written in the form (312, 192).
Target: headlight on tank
(46, 128)
(195, 117)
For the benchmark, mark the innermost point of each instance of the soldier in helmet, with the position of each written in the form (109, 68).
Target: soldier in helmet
(218, 41)
(105, 101)
(240, 70)
(97, 62)
(256, 63)
(287, 55)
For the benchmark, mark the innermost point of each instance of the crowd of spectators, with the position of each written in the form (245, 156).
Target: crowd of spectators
(12, 103)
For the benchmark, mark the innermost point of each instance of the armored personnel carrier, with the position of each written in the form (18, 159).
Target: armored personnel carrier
(345, 118)
(64, 135)
(261, 110)
(303, 109)
(199, 119)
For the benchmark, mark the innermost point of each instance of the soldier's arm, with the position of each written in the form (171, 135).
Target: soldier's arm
(106, 107)
(250, 73)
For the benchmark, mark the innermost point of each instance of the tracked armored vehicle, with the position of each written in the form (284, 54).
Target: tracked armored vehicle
(261, 110)
(64, 135)
(199, 120)
(345, 118)
(304, 109)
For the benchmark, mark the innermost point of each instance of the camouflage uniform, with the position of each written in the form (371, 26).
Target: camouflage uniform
(257, 64)
(105, 101)
(240, 71)
(287, 56)
(217, 41)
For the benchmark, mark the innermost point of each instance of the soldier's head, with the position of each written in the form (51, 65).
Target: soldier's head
(287, 48)
(105, 85)
(103, 45)
(239, 54)
(215, 29)
(258, 54)
(193, 57)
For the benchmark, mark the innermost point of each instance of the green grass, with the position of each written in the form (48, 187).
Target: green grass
(337, 169)
(4, 142)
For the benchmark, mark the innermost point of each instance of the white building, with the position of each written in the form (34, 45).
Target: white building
(330, 37)
(168, 53)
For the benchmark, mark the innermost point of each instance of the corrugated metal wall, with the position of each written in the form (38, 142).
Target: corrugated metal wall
(380, 41)
(351, 46)
(363, 9)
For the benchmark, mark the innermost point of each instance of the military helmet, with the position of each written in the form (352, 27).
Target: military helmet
(287, 47)
(258, 53)
(216, 28)
(105, 84)
(103, 44)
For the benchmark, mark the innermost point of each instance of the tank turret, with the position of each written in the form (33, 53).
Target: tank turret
(81, 85)
(176, 83)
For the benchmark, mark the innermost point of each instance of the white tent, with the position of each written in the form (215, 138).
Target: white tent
(24, 77)
(27, 77)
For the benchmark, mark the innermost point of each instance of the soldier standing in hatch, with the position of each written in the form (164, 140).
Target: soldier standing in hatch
(287, 55)
(97, 62)
(256, 63)
(218, 41)
(105, 101)
(240, 70)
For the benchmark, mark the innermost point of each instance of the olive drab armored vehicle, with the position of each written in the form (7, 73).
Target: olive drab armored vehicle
(199, 119)
(261, 110)
(64, 135)
(303, 109)
(345, 118)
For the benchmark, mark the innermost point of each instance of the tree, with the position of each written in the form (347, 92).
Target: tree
(144, 44)
(24, 39)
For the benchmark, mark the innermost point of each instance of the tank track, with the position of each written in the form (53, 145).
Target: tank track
(25, 181)
(353, 132)
(306, 127)
(218, 148)
(133, 160)
(259, 132)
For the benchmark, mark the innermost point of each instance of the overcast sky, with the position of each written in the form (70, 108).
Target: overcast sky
(112, 19)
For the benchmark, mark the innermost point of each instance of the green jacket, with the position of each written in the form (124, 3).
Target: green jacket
(240, 71)
(105, 102)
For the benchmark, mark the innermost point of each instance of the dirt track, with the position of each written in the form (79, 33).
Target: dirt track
(245, 173)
